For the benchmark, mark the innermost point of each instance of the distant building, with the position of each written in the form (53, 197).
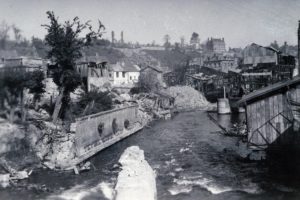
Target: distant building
(24, 61)
(95, 74)
(155, 74)
(125, 73)
(221, 63)
(254, 54)
(215, 45)
(195, 41)
(27, 64)
(262, 66)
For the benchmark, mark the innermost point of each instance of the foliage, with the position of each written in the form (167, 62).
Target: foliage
(149, 81)
(167, 43)
(12, 86)
(40, 46)
(35, 84)
(135, 90)
(92, 102)
(195, 37)
(66, 42)
(4, 34)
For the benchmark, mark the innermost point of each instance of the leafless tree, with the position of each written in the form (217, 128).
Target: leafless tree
(4, 36)
(17, 33)
(182, 39)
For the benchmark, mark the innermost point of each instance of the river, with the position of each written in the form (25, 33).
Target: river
(191, 159)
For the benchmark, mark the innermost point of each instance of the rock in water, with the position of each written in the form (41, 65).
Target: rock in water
(136, 181)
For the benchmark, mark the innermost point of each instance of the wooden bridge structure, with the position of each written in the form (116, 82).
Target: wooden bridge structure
(272, 112)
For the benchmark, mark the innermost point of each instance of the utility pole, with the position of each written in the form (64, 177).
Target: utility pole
(298, 47)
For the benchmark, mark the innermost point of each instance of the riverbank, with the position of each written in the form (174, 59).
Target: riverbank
(52, 145)
(190, 159)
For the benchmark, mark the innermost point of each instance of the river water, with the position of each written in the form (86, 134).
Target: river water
(191, 159)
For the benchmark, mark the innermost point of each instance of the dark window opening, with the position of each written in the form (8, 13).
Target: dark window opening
(126, 124)
(123, 74)
(100, 128)
(114, 126)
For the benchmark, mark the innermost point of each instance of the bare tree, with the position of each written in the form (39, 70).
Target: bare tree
(167, 44)
(182, 41)
(4, 36)
(17, 33)
(167, 38)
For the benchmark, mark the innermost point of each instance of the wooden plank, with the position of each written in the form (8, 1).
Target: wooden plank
(254, 126)
(257, 137)
(249, 122)
(267, 116)
(271, 106)
(275, 105)
(298, 93)
(263, 119)
(280, 109)
(285, 110)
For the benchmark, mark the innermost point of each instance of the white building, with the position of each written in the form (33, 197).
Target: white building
(125, 74)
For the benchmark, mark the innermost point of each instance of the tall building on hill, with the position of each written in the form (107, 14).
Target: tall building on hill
(122, 37)
(215, 45)
(113, 37)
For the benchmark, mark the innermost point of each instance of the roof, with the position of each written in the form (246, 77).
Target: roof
(269, 90)
(153, 68)
(8, 54)
(125, 67)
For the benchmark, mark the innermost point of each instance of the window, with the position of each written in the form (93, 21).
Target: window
(130, 78)
(126, 124)
(117, 74)
(100, 128)
(123, 74)
(114, 126)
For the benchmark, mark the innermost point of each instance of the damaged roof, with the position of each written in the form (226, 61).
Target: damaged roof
(269, 90)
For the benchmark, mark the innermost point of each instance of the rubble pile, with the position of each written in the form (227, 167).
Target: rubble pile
(188, 98)
(53, 145)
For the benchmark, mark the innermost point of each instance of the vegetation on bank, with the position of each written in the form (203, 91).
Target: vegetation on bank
(12, 91)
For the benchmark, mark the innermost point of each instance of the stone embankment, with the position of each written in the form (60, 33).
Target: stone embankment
(42, 143)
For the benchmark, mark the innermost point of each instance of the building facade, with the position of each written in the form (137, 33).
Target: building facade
(125, 73)
(221, 63)
(215, 45)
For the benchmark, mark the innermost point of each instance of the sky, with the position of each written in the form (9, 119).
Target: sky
(240, 22)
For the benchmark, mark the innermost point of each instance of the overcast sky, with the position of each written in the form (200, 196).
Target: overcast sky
(240, 22)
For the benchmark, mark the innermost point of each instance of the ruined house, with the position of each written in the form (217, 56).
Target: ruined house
(125, 73)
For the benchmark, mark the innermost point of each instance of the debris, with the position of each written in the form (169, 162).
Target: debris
(4, 180)
(188, 98)
(19, 175)
(76, 171)
(85, 167)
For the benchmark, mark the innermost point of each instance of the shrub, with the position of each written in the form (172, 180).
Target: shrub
(92, 102)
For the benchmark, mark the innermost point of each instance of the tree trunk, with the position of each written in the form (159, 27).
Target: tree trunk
(58, 105)
(23, 111)
(11, 114)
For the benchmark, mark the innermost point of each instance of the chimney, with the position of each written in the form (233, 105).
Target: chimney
(112, 37)
(122, 39)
